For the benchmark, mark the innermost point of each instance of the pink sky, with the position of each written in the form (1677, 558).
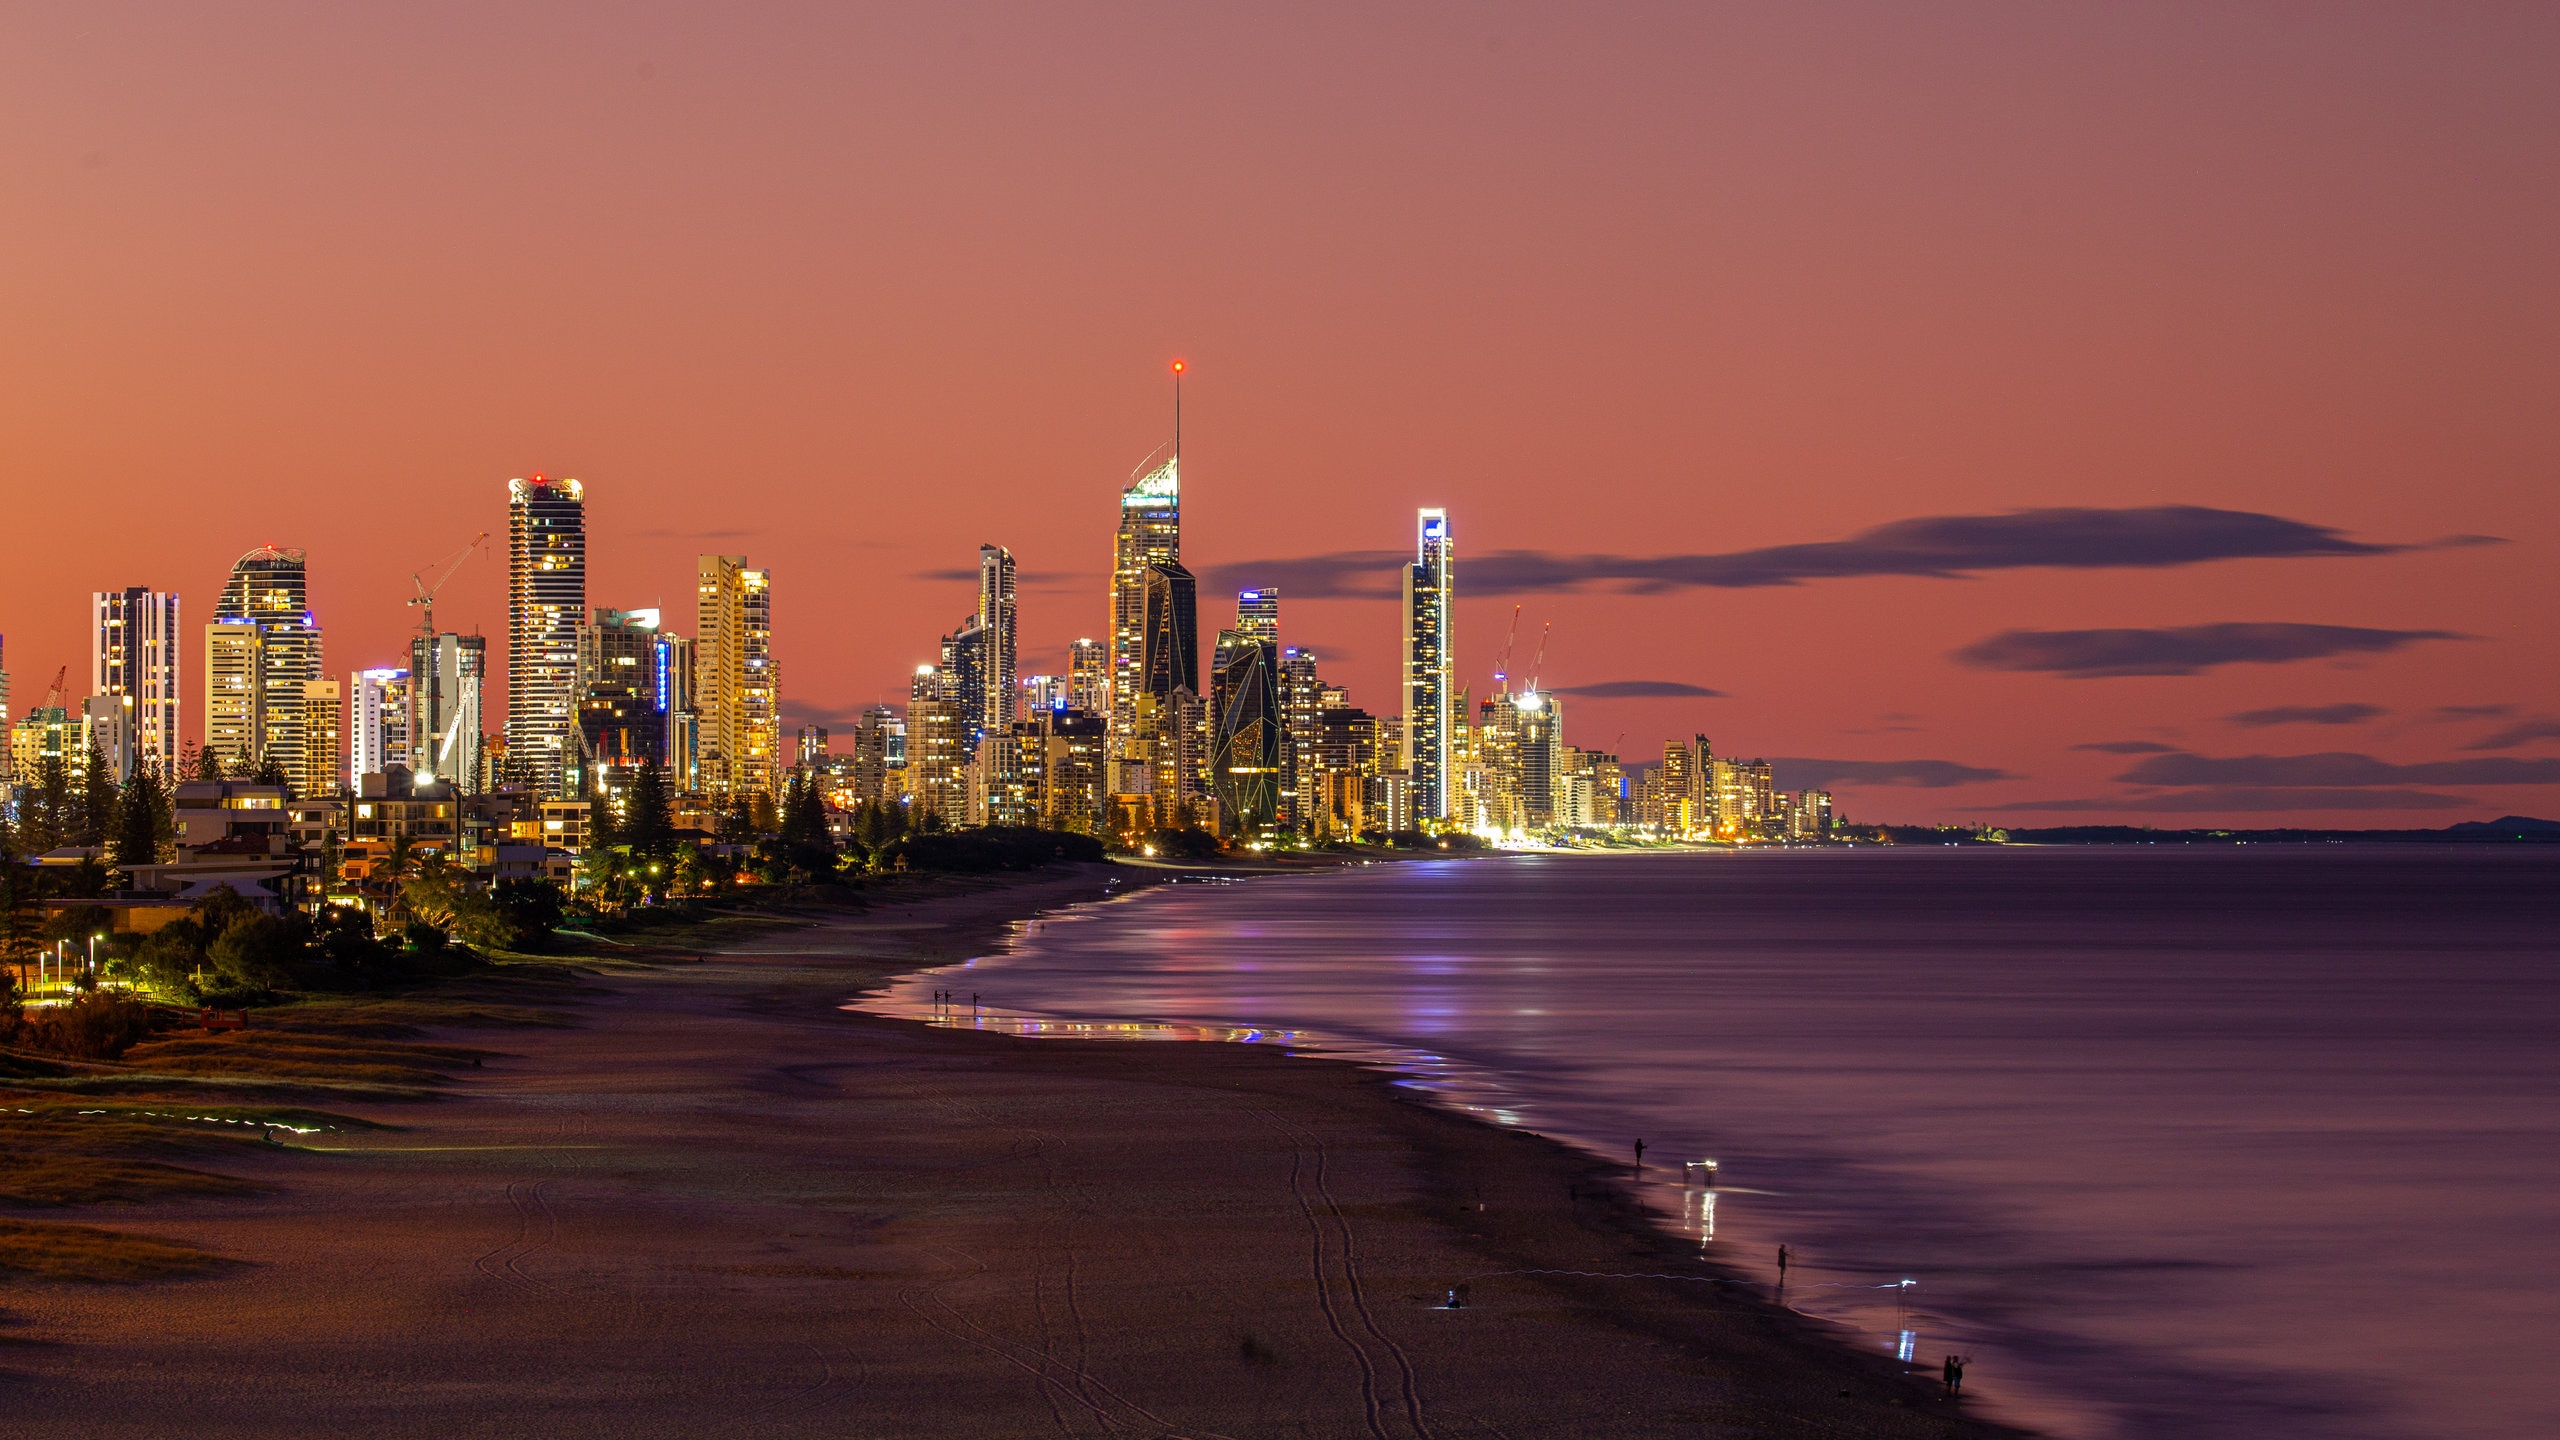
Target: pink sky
(851, 293)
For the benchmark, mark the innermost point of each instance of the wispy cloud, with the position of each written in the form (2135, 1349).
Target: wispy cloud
(2180, 650)
(2251, 800)
(2348, 713)
(2127, 747)
(1935, 546)
(1639, 690)
(2334, 768)
(2524, 732)
(2472, 712)
(1022, 579)
(1797, 773)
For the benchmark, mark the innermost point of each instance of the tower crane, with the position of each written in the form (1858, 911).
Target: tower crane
(1502, 663)
(425, 599)
(1539, 665)
(53, 697)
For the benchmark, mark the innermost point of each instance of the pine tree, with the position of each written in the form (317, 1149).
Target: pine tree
(46, 812)
(97, 808)
(138, 812)
(648, 828)
(271, 772)
(762, 818)
(202, 763)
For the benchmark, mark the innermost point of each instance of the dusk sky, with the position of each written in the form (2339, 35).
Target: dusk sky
(2027, 413)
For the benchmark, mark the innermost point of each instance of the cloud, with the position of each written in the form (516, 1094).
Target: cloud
(2334, 768)
(2128, 747)
(2182, 650)
(1639, 690)
(1935, 546)
(2522, 733)
(2236, 799)
(2472, 712)
(1022, 579)
(1795, 773)
(2347, 713)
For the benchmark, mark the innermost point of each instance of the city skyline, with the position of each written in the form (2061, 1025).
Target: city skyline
(2131, 498)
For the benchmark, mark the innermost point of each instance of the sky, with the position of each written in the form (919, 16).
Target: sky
(2020, 413)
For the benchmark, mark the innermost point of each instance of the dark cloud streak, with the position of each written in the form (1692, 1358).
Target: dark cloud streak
(1798, 773)
(2334, 768)
(1947, 547)
(2182, 650)
(1639, 690)
(2347, 713)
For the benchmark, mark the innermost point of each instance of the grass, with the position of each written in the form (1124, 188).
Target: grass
(47, 1251)
(62, 1152)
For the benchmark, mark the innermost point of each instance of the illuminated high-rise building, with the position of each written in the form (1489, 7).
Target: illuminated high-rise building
(1429, 667)
(1041, 692)
(546, 601)
(998, 709)
(1089, 677)
(135, 657)
(1258, 614)
(813, 747)
(380, 708)
(267, 647)
(1301, 733)
(8, 771)
(684, 722)
(1150, 535)
(447, 675)
(322, 775)
(966, 660)
(937, 772)
(1245, 757)
(737, 686)
(621, 726)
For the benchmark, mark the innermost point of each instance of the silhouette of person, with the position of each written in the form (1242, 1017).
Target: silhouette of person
(1783, 1258)
(1955, 1374)
(1639, 1154)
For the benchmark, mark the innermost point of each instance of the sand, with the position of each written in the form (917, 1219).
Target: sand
(720, 1204)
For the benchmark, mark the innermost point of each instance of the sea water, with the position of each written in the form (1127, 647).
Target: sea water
(2170, 1140)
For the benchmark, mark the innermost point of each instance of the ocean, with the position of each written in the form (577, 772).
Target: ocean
(2169, 1140)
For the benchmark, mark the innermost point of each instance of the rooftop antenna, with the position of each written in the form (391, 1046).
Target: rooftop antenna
(1177, 417)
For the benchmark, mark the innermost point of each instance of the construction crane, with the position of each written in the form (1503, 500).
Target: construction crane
(1539, 665)
(53, 697)
(1502, 663)
(426, 596)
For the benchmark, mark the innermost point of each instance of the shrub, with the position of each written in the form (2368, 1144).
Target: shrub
(92, 1027)
(993, 847)
(257, 951)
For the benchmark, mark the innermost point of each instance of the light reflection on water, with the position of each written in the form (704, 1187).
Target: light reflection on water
(2174, 1142)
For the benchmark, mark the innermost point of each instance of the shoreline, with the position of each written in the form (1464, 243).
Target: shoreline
(719, 1194)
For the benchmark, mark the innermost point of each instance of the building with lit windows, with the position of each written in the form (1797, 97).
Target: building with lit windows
(135, 655)
(323, 772)
(1245, 704)
(737, 685)
(261, 649)
(937, 770)
(546, 602)
(1430, 668)
(620, 724)
(380, 708)
(447, 675)
(998, 704)
(1089, 677)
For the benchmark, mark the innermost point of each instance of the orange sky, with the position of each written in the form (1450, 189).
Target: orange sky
(851, 293)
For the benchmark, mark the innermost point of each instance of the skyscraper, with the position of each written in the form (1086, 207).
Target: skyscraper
(264, 637)
(1150, 535)
(1245, 756)
(620, 725)
(966, 660)
(1089, 676)
(1258, 614)
(1429, 586)
(323, 721)
(546, 598)
(937, 773)
(996, 617)
(446, 675)
(737, 687)
(1169, 654)
(136, 657)
(380, 709)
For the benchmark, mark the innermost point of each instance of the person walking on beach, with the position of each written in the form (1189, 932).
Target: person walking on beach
(1639, 1157)
(1783, 1258)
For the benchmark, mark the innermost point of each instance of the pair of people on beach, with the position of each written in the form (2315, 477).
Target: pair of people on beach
(1953, 1373)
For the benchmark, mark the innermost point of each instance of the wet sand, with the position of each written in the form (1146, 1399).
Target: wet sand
(721, 1203)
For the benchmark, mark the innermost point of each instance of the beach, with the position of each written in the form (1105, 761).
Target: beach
(716, 1198)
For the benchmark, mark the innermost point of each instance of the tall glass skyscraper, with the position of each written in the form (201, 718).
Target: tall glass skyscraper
(135, 659)
(446, 673)
(546, 600)
(1429, 669)
(260, 651)
(1150, 535)
(999, 707)
(737, 687)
